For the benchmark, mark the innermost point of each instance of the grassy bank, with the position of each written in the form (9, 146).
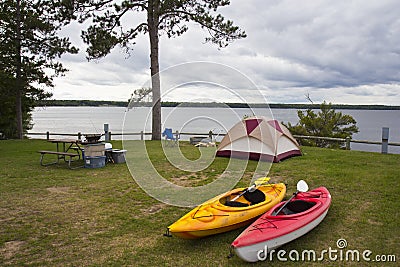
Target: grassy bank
(51, 216)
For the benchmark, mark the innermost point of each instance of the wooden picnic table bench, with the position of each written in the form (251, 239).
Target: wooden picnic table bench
(60, 155)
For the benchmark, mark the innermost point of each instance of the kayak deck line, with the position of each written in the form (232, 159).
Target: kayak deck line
(269, 221)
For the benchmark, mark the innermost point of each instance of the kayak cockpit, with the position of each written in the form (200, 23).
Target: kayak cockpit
(297, 206)
(247, 199)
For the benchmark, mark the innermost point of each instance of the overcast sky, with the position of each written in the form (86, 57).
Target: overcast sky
(344, 52)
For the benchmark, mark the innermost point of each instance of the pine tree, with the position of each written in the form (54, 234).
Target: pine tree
(170, 17)
(325, 123)
(28, 52)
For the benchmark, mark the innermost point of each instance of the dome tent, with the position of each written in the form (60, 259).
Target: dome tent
(259, 138)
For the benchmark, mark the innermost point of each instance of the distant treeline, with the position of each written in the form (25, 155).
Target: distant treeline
(98, 103)
(80, 103)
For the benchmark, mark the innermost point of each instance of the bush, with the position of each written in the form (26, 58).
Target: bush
(326, 123)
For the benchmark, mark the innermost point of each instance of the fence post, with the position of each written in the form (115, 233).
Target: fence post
(141, 135)
(210, 135)
(79, 136)
(348, 143)
(106, 132)
(385, 140)
(48, 135)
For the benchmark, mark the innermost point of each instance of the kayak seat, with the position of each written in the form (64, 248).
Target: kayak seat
(297, 206)
(235, 204)
(255, 197)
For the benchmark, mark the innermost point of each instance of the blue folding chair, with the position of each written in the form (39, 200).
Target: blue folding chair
(169, 137)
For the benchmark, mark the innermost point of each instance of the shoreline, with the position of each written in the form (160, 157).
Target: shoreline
(96, 103)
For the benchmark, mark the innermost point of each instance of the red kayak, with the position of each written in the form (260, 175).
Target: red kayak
(299, 216)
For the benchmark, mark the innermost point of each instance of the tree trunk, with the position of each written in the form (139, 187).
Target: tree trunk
(152, 21)
(18, 95)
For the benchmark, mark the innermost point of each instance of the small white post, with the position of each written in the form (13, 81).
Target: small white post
(106, 132)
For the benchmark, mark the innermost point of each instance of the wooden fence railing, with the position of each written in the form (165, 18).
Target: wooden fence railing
(108, 136)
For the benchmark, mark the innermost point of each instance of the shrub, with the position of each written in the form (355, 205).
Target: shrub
(326, 123)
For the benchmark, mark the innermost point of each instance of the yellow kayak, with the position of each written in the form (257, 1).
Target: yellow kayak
(231, 210)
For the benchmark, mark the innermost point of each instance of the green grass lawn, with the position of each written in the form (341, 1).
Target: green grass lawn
(52, 216)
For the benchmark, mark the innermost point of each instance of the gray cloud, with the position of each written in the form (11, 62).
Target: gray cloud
(350, 41)
(339, 51)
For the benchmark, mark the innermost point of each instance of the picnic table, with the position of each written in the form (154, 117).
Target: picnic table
(67, 150)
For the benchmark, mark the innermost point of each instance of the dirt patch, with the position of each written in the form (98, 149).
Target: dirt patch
(372, 222)
(11, 248)
(58, 190)
(184, 180)
(154, 209)
(188, 180)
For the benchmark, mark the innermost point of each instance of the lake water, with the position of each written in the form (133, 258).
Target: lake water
(198, 120)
